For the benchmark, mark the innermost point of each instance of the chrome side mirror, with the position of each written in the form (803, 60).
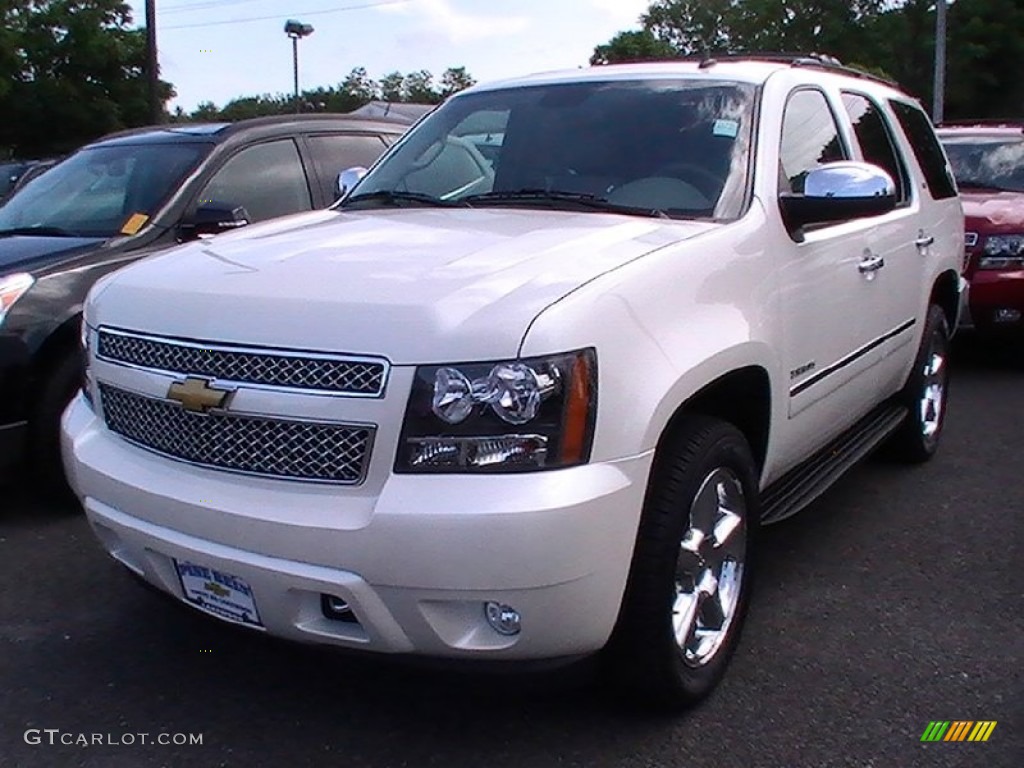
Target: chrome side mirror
(347, 179)
(839, 192)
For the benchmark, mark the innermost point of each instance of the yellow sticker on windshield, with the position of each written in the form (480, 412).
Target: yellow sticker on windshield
(136, 222)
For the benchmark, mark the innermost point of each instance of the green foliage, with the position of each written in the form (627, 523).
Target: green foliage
(357, 89)
(70, 70)
(892, 38)
(633, 46)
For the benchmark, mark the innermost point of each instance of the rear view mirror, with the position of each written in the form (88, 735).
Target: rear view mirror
(347, 179)
(839, 192)
(212, 219)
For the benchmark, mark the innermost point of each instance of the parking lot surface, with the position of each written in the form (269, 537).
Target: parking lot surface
(894, 601)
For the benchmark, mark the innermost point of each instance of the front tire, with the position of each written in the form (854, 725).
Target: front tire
(689, 583)
(61, 383)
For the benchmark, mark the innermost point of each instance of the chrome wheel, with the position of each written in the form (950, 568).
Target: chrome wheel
(933, 391)
(709, 568)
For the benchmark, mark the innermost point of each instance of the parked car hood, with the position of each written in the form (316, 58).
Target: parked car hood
(25, 253)
(994, 212)
(417, 286)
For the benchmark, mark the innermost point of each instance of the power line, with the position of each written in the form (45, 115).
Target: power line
(279, 16)
(203, 5)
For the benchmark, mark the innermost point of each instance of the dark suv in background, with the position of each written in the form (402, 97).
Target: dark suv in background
(125, 197)
(988, 162)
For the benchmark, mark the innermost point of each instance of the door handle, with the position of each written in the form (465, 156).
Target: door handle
(871, 264)
(923, 240)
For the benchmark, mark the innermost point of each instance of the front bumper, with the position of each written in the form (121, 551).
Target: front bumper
(997, 300)
(416, 561)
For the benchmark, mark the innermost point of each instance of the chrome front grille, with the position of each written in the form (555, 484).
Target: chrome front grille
(340, 375)
(297, 450)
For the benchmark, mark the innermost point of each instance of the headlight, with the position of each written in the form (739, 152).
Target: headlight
(501, 417)
(1002, 252)
(12, 288)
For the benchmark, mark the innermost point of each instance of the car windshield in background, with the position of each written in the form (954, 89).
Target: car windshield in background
(101, 192)
(674, 148)
(987, 162)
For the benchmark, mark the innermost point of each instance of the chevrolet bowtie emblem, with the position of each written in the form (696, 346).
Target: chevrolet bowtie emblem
(197, 396)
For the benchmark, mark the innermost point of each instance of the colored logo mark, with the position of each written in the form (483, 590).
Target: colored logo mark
(958, 730)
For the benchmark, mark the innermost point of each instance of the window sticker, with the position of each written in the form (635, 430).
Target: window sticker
(135, 222)
(728, 128)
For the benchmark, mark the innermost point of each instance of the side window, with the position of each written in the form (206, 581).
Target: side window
(266, 179)
(875, 139)
(810, 138)
(926, 148)
(333, 153)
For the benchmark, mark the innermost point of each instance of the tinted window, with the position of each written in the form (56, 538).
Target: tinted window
(333, 154)
(875, 139)
(267, 180)
(810, 138)
(675, 146)
(926, 148)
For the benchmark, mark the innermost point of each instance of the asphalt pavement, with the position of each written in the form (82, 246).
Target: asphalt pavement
(894, 601)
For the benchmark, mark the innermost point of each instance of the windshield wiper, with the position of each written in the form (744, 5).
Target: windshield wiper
(554, 197)
(39, 231)
(399, 198)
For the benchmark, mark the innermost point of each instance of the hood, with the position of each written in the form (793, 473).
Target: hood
(25, 253)
(416, 286)
(994, 212)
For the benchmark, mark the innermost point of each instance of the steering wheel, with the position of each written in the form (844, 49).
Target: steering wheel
(710, 184)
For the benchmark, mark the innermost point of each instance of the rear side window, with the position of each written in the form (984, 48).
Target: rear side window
(810, 138)
(926, 148)
(875, 139)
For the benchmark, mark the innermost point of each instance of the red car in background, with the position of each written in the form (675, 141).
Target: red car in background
(988, 162)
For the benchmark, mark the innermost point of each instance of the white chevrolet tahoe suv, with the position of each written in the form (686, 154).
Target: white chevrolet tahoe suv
(529, 389)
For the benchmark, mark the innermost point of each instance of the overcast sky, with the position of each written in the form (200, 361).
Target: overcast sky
(215, 50)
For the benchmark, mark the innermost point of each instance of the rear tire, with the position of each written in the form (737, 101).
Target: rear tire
(46, 465)
(925, 395)
(689, 583)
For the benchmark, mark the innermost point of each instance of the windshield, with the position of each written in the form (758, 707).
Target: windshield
(675, 148)
(101, 192)
(991, 162)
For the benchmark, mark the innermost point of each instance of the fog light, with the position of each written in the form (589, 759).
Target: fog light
(504, 619)
(336, 609)
(1006, 315)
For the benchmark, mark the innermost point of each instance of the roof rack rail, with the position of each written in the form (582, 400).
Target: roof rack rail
(809, 60)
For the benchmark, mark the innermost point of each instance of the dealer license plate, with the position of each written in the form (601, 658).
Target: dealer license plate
(221, 594)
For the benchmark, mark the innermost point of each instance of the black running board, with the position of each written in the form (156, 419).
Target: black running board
(808, 480)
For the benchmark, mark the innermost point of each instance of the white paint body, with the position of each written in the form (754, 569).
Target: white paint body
(670, 306)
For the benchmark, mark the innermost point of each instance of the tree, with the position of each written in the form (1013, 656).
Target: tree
(633, 46)
(360, 87)
(455, 79)
(392, 87)
(895, 38)
(70, 71)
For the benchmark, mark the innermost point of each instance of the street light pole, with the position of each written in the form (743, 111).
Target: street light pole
(295, 30)
(939, 87)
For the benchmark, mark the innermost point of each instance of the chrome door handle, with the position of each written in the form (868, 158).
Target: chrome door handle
(871, 264)
(924, 241)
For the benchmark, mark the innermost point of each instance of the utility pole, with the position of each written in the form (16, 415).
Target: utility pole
(939, 89)
(156, 110)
